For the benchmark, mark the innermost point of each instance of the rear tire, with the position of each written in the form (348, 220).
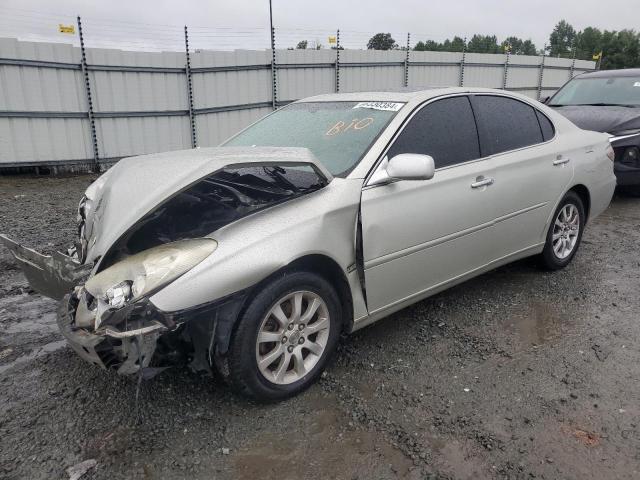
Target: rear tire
(565, 233)
(285, 338)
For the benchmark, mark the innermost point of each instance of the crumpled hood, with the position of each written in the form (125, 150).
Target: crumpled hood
(135, 185)
(602, 119)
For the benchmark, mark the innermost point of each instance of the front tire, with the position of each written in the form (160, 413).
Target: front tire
(565, 233)
(285, 337)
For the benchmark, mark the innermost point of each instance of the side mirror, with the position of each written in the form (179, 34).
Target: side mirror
(545, 100)
(411, 166)
(406, 166)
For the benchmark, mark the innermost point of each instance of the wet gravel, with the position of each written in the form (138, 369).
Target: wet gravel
(516, 374)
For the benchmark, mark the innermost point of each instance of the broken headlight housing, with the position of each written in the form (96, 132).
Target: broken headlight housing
(146, 272)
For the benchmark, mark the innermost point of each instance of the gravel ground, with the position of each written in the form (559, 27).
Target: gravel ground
(516, 374)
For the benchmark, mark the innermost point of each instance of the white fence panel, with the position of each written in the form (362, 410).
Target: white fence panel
(141, 100)
(442, 69)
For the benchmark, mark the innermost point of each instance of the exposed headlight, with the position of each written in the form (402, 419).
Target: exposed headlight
(119, 295)
(630, 156)
(146, 272)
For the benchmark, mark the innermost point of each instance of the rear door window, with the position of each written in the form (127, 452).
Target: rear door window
(444, 129)
(505, 124)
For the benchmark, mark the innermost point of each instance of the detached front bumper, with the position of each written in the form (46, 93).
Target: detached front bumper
(51, 275)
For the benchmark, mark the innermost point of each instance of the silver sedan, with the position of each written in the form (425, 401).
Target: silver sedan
(323, 217)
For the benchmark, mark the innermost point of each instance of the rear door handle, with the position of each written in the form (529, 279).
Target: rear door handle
(561, 161)
(484, 182)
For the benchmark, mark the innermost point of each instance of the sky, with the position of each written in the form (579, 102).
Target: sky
(158, 24)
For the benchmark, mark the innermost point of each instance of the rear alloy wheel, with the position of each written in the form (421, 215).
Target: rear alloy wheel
(565, 232)
(285, 337)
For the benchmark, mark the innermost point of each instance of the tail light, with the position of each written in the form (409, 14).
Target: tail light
(610, 153)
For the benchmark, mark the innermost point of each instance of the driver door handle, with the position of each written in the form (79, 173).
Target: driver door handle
(482, 182)
(561, 161)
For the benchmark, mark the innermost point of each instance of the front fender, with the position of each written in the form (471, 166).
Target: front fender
(257, 246)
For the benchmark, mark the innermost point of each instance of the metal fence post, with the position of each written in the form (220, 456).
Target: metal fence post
(573, 63)
(192, 118)
(541, 71)
(274, 79)
(464, 53)
(406, 61)
(87, 86)
(506, 69)
(338, 61)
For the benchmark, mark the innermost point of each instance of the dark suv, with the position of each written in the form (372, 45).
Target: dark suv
(608, 101)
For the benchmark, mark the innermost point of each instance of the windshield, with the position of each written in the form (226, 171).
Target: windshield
(337, 133)
(623, 91)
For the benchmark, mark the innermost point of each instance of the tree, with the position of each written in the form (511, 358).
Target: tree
(455, 45)
(382, 41)
(517, 46)
(588, 43)
(428, 46)
(620, 49)
(561, 40)
(483, 44)
(528, 48)
(302, 45)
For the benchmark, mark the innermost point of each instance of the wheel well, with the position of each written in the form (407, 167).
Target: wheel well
(584, 195)
(333, 273)
(319, 264)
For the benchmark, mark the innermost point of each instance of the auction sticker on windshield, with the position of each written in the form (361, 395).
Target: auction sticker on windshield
(387, 106)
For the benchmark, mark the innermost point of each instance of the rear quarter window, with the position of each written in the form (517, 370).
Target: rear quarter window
(546, 126)
(505, 124)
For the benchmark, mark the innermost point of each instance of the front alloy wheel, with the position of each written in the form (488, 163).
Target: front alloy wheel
(292, 337)
(285, 337)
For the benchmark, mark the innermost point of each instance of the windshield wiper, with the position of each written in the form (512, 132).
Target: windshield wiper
(276, 173)
(601, 104)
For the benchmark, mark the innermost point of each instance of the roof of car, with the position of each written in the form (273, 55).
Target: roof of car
(400, 95)
(627, 72)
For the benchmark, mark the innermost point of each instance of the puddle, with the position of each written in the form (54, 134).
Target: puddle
(538, 323)
(37, 353)
(317, 445)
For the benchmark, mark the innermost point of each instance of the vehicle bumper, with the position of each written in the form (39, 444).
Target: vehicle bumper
(627, 172)
(627, 175)
(126, 352)
(53, 275)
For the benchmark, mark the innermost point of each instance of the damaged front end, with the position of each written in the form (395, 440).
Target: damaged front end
(146, 337)
(106, 313)
(111, 322)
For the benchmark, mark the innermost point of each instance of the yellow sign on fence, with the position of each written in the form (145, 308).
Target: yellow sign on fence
(66, 29)
(332, 40)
